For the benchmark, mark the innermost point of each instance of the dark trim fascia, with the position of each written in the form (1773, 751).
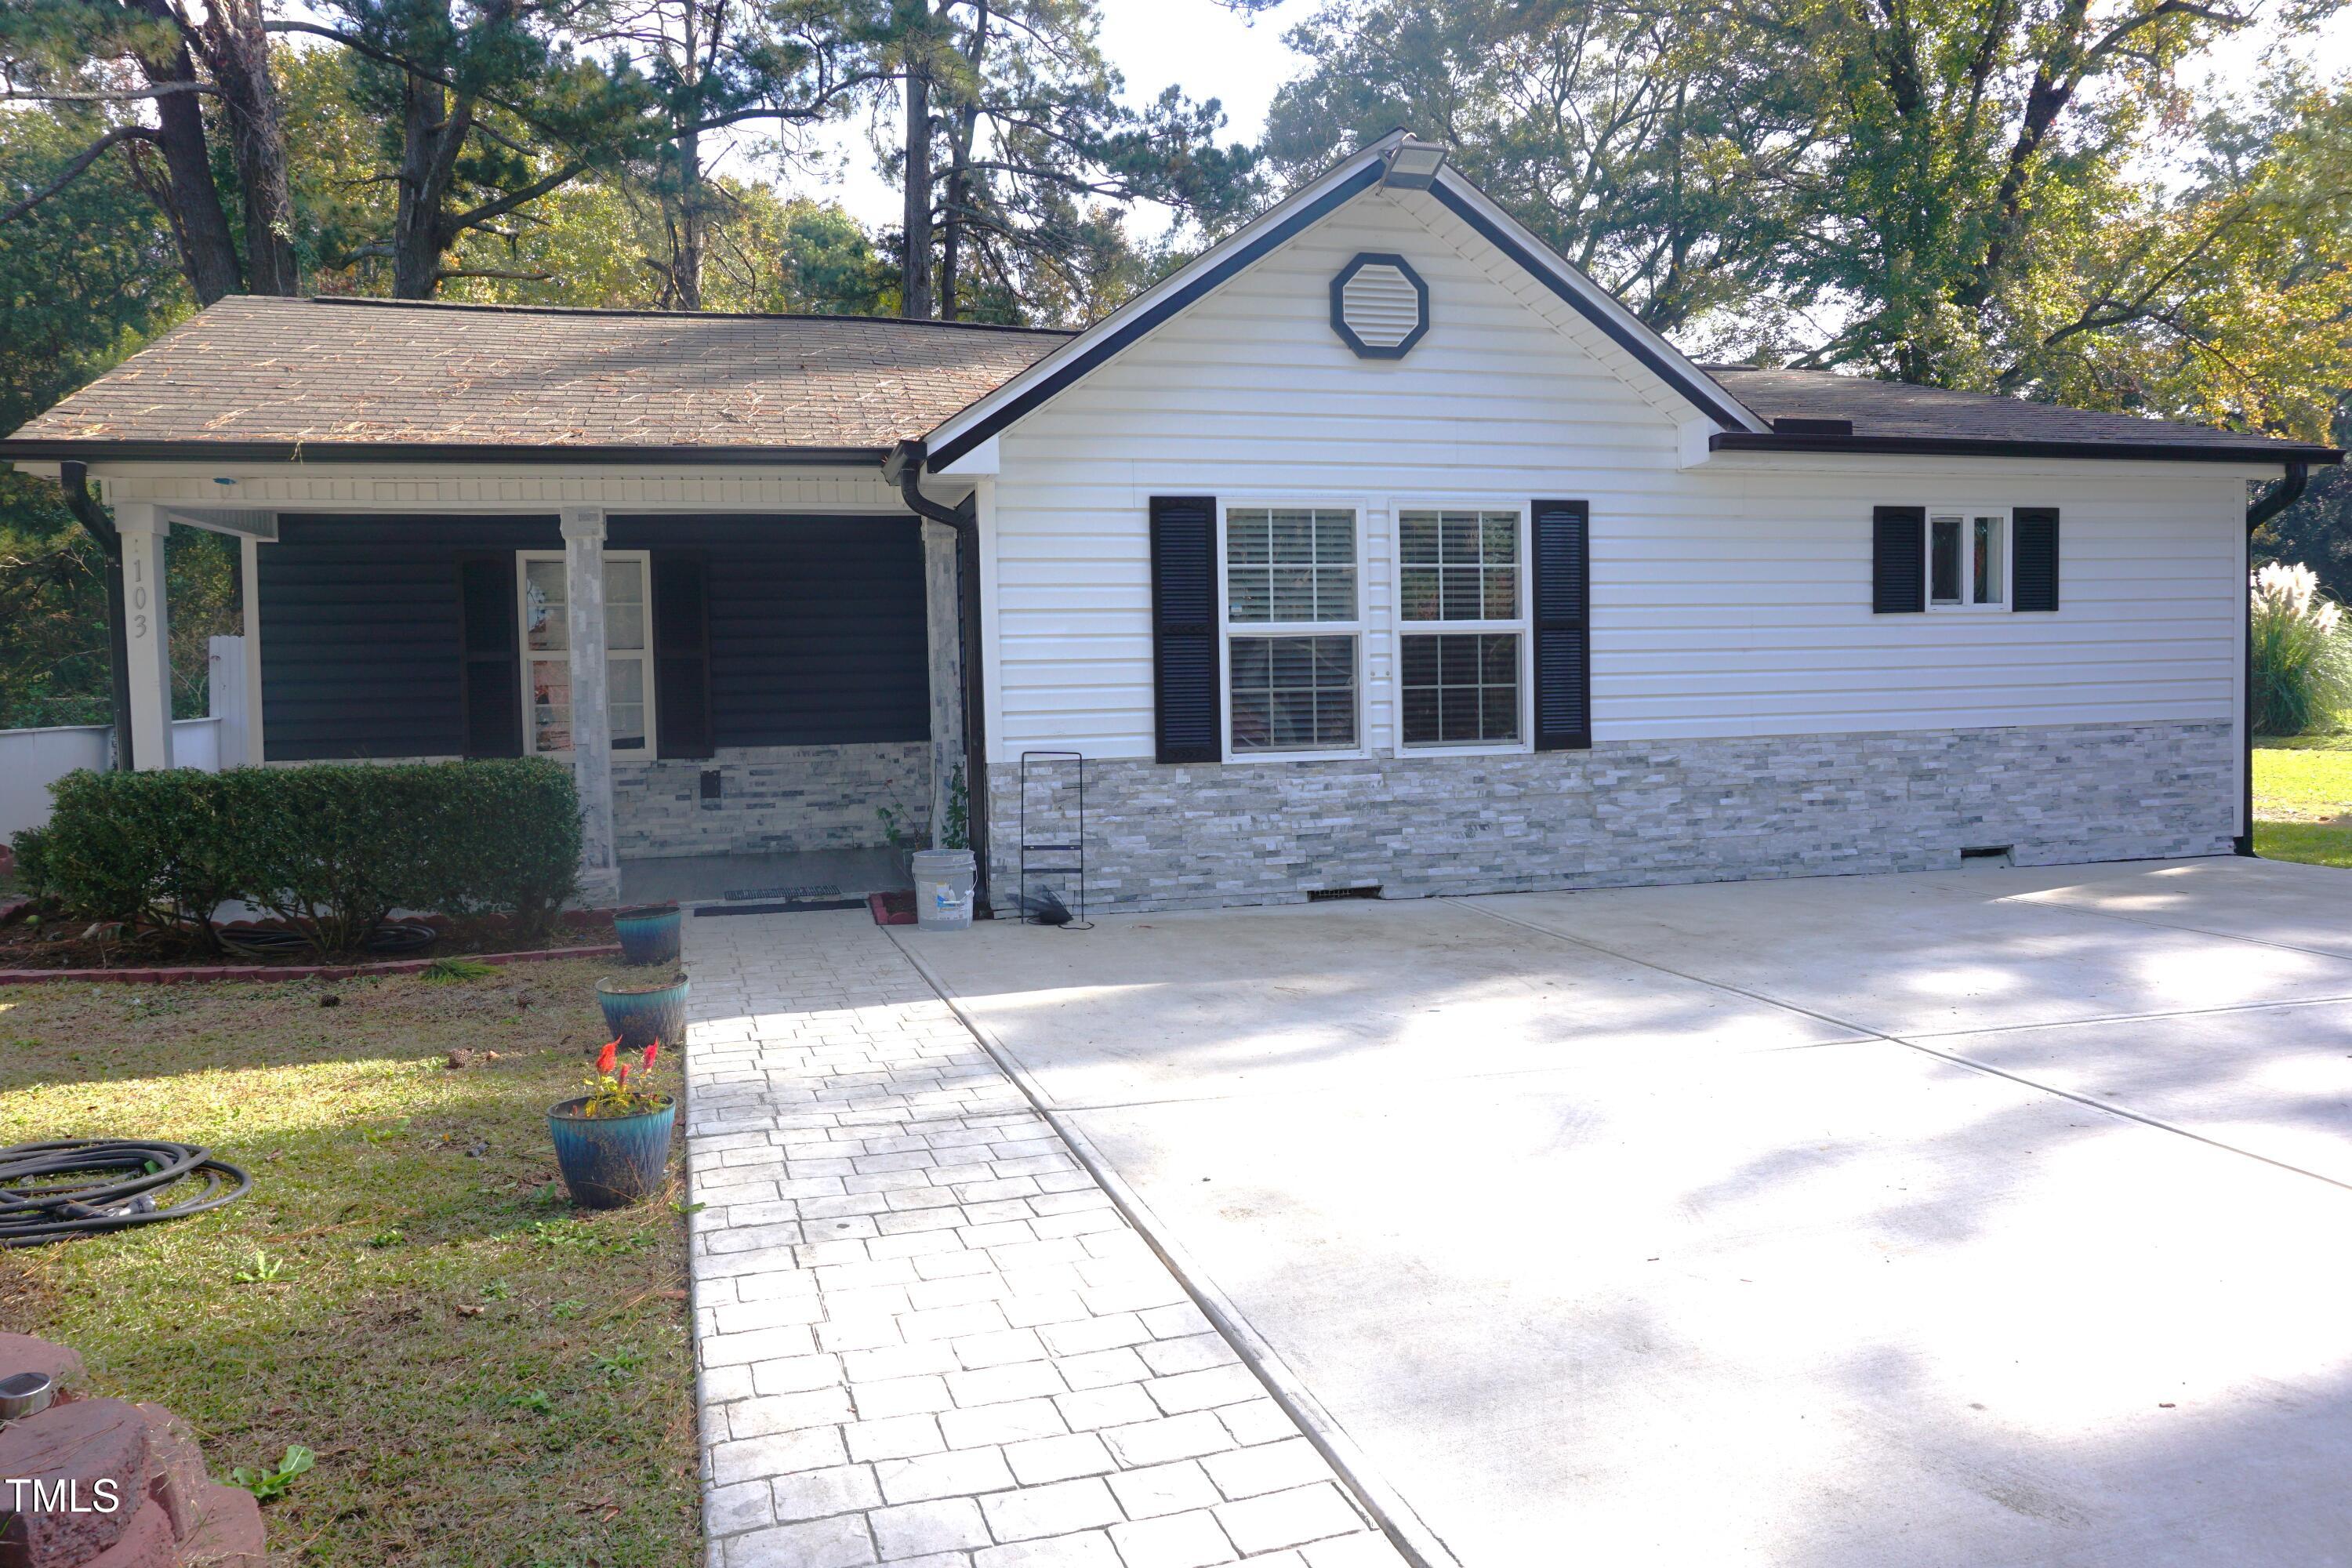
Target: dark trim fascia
(1705, 398)
(37, 450)
(1979, 447)
(1120, 337)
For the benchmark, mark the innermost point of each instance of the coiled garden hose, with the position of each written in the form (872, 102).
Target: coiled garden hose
(82, 1186)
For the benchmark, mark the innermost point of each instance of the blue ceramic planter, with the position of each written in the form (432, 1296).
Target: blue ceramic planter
(649, 933)
(611, 1162)
(639, 1011)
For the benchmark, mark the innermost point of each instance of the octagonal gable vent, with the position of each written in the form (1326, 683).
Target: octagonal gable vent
(1379, 306)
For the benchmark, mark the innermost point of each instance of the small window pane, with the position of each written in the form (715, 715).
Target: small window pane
(1290, 563)
(624, 627)
(1944, 561)
(1293, 693)
(624, 583)
(1986, 551)
(550, 705)
(1475, 559)
(1460, 688)
(542, 606)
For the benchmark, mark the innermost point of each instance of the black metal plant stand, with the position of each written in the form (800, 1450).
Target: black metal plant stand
(1040, 770)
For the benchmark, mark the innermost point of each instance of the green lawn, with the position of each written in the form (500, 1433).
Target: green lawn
(486, 1376)
(2302, 799)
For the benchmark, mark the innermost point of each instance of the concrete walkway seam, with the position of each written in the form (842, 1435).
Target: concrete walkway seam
(1421, 1545)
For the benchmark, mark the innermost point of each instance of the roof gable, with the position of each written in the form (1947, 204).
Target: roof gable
(1308, 205)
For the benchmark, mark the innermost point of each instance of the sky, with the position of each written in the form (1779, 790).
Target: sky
(1197, 42)
(1214, 53)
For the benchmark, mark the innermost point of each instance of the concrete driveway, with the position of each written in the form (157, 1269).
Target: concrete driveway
(1975, 1219)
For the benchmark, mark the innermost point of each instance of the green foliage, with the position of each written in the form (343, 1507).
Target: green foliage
(271, 1480)
(458, 970)
(2302, 653)
(330, 850)
(1967, 195)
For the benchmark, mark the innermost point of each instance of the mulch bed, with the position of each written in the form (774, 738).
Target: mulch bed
(892, 908)
(36, 950)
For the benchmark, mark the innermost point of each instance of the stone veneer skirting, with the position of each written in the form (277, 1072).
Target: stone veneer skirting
(772, 799)
(1629, 812)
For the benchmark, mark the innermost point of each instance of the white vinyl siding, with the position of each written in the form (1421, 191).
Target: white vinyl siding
(1732, 598)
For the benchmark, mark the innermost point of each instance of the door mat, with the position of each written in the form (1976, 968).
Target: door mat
(813, 890)
(893, 908)
(803, 907)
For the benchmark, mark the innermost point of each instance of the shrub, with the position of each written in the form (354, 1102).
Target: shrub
(515, 848)
(330, 850)
(147, 849)
(2302, 660)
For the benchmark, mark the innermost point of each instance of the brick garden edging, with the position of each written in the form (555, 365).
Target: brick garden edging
(176, 973)
(133, 1491)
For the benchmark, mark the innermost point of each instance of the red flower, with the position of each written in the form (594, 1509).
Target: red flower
(652, 1051)
(605, 1057)
(625, 1075)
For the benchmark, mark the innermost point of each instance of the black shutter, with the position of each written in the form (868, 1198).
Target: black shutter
(1898, 560)
(1184, 626)
(681, 603)
(1563, 598)
(491, 687)
(2033, 579)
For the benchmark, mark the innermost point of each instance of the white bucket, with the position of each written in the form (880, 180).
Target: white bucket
(943, 882)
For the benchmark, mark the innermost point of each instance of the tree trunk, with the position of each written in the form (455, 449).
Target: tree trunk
(915, 287)
(952, 216)
(237, 49)
(207, 249)
(951, 238)
(431, 131)
(693, 239)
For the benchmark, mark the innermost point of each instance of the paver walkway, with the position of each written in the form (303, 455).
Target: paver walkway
(925, 1337)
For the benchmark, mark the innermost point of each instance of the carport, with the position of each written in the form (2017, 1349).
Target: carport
(1957, 1218)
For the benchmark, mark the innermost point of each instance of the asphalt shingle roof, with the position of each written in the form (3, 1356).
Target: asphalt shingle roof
(255, 374)
(260, 370)
(1895, 410)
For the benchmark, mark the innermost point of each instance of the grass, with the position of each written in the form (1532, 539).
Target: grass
(486, 1376)
(2302, 799)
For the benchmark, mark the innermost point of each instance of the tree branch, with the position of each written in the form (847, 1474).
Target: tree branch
(513, 199)
(73, 171)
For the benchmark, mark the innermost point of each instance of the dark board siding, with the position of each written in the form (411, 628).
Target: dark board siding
(358, 631)
(816, 627)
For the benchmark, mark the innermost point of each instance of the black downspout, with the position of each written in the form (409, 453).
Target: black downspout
(2268, 505)
(74, 480)
(904, 468)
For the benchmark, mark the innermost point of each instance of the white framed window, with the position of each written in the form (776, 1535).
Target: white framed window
(547, 657)
(1968, 558)
(1462, 628)
(1290, 612)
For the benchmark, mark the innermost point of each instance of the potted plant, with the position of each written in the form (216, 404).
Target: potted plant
(648, 933)
(639, 1011)
(612, 1143)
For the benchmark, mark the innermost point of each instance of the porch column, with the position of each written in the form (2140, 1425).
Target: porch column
(941, 617)
(147, 632)
(248, 566)
(592, 729)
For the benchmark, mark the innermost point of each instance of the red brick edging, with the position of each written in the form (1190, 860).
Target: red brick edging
(195, 973)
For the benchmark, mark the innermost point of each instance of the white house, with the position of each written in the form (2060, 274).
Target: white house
(1378, 549)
